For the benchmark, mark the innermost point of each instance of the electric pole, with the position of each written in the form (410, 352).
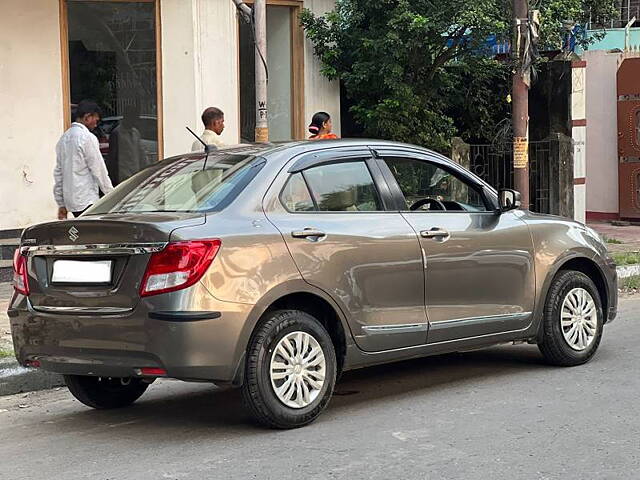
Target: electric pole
(262, 111)
(257, 20)
(520, 99)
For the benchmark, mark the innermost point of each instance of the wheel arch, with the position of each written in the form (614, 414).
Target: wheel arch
(297, 295)
(579, 263)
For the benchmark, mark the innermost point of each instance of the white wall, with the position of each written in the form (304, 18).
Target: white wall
(602, 132)
(578, 134)
(217, 71)
(320, 93)
(178, 75)
(199, 69)
(31, 112)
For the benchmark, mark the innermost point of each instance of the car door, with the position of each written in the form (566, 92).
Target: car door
(479, 262)
(331, 210)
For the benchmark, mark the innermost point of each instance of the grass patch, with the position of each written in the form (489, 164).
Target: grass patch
(6, 353)
(630, 283)
(626, 258)
(613, 241)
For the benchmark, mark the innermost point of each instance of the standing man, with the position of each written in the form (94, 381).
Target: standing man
(213, 120)
(80, 170)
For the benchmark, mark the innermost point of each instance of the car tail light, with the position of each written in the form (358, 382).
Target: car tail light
(20, 280)
(179, 265)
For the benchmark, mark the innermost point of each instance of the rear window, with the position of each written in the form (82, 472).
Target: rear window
(183, 185)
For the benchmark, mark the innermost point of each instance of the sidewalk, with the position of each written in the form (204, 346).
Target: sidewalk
(628, 235)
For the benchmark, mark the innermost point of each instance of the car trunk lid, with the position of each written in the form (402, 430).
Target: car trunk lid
(94, 265)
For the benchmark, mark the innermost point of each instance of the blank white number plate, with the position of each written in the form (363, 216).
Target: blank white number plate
(74, 271)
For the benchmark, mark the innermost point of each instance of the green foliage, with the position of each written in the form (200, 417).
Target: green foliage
(555, 12)
(6, 353)
(415, 71)
(613, 241)
(630, 283)
(626, 258)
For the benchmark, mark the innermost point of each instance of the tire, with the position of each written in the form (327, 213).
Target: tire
(557, 342)
(278, 334)
(103, 392)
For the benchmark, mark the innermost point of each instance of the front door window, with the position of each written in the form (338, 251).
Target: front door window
(426, 186)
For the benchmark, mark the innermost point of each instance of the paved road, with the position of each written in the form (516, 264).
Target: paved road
(492, 414)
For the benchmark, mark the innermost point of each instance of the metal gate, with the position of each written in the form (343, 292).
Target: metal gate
(550, 172)
(629, 138)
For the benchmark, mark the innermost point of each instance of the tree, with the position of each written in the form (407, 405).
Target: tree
(421, 71)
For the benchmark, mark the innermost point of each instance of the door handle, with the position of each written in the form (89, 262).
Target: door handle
(308, 232)
(435, 233)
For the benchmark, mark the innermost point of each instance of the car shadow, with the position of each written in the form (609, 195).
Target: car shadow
(202, 409)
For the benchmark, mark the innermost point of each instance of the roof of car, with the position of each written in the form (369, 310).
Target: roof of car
(302, 146)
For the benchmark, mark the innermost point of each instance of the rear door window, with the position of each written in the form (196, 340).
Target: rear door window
(295, 195)
(343, 187)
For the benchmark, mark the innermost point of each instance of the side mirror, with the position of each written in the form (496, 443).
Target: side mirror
(509, 199)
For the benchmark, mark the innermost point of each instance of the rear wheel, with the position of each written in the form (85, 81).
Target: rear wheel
(291, 370)
(104, 392)
(573, 320)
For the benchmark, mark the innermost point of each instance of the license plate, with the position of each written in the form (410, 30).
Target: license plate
(75, 271)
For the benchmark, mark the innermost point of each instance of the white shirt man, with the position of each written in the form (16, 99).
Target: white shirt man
(210, 138)
(80, 171)
(213, 120)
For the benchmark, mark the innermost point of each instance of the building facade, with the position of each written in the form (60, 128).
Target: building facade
(160, 62)
(612, 120)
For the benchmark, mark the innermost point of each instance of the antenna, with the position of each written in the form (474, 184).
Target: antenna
(207, 148)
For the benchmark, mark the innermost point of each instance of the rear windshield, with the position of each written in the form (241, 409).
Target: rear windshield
(183, 185)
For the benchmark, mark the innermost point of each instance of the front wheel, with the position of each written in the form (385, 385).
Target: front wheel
(105, 392)
(573, 320)
(291, 370)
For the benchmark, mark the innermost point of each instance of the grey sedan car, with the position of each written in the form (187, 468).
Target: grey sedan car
(275, 268)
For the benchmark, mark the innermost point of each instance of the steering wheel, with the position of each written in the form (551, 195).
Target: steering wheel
(430, 202)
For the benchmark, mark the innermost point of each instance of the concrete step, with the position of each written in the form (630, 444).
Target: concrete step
(6, 271)
(13, 242)
(8, 247)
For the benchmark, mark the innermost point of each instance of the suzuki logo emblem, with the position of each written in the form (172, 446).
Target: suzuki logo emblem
(73, 234)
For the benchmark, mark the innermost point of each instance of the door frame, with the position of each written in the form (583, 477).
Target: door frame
(66, 77)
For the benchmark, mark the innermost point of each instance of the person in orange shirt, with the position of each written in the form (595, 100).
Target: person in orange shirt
(320, 127)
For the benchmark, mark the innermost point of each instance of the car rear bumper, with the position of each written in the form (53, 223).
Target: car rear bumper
(189, 345)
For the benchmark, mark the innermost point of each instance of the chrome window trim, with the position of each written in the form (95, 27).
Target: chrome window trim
(93, 249)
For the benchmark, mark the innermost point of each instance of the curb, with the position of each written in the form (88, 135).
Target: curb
(16, 379)
(626, 271)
